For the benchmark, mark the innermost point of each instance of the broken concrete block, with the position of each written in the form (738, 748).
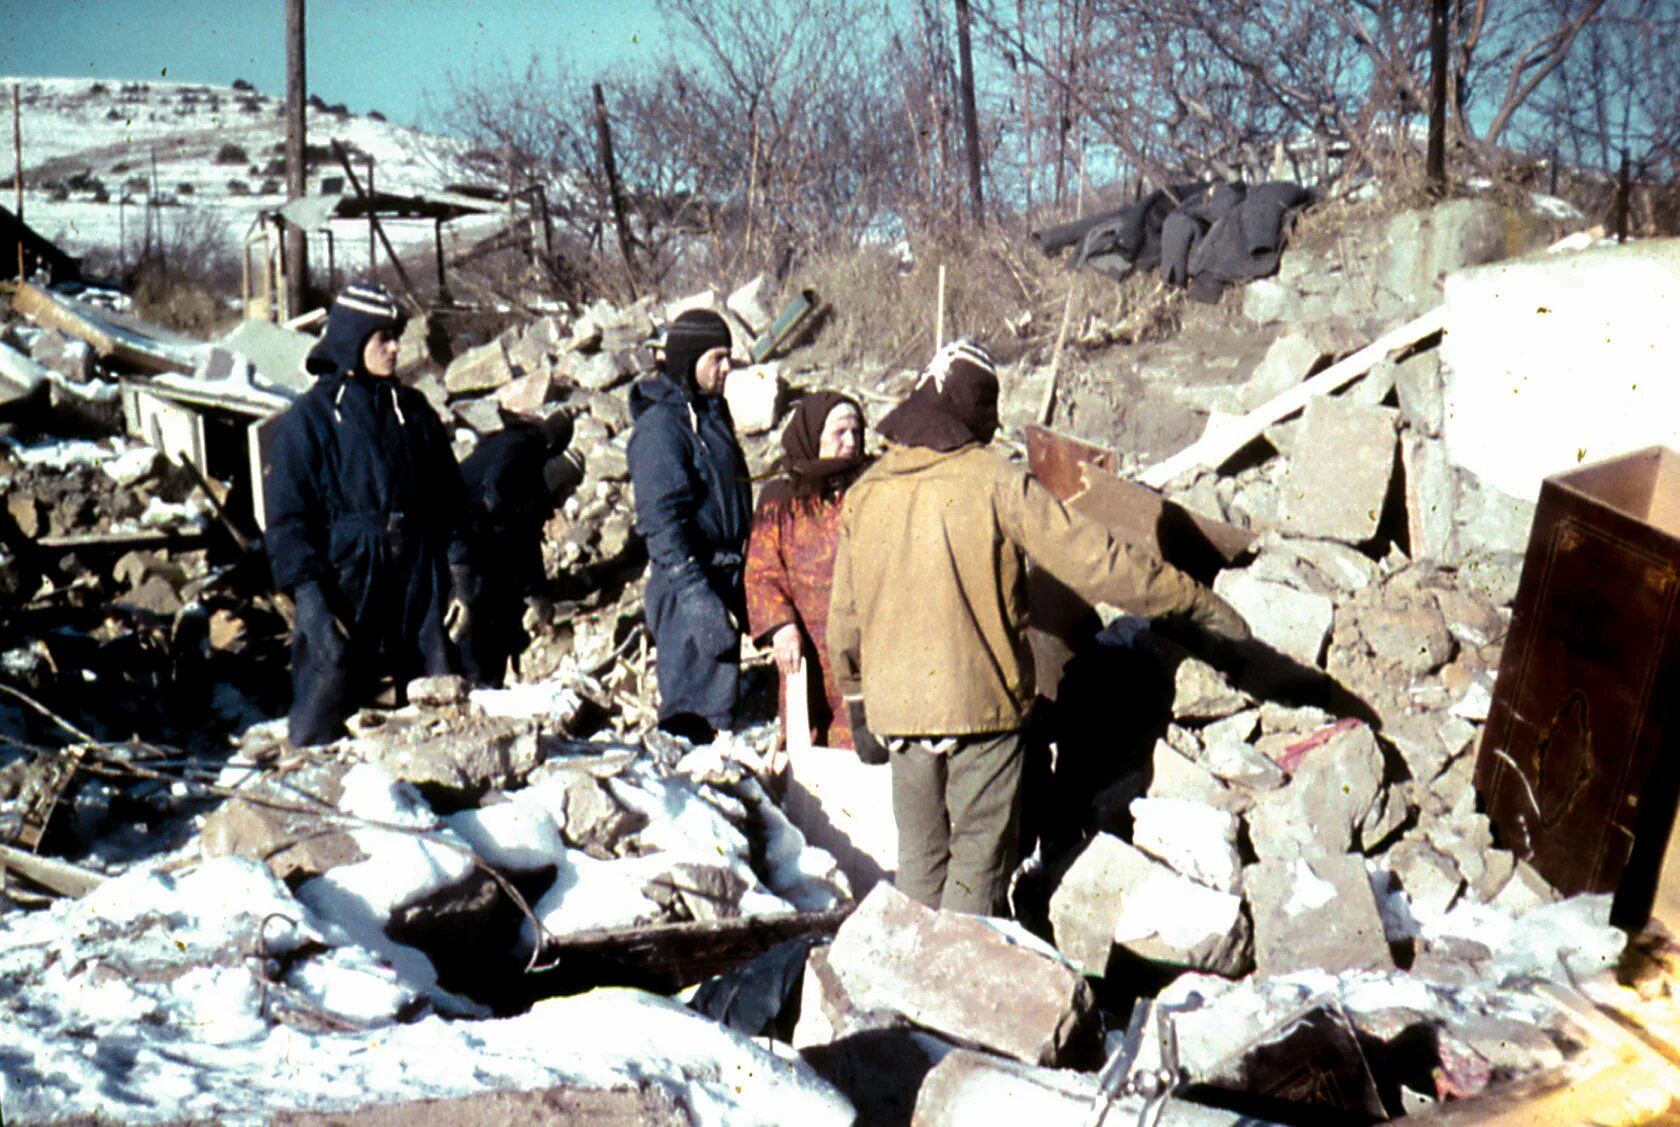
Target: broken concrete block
(69, 357)
(827, 1012)
(1429, 878)
(1343, 568)
(1375, 385)
(1329, 795)
(692, 891)
(462, 760)
(968, 1088)
(1114, 893)
(1195, 839)
(1524, 892)
(1488, 520)
(751, 303)
(1422, 392)
(1315, 913)
(1290, 621)
(1237, 762)
(1290, 359)
(245, 829)
(483, 416)
(527, 394)
(478, 370)
(754, 395)
(595, 371)
(1431, 496)
(959, 976)
(1338, 480)
(439, 691)
(1201, 692)
(588, 815)
(1235, 728)
(1409, 633)
(1174, 776)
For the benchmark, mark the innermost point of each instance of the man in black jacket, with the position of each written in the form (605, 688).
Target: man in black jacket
(515, 480)
(366, 521)
(694, 507)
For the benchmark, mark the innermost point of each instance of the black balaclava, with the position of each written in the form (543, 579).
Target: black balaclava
(693, 334)
(954, 403)
(361, 309)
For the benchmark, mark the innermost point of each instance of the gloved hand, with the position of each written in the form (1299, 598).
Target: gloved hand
(869, 749)
(463, 583)
(710, 625)
(323, 633)
(1218, 618)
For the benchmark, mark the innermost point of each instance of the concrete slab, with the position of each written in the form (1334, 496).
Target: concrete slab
(1561, 360)
(1339, 477)
(1315, 914)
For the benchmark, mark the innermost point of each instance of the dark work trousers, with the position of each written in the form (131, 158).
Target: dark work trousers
(958, 815)
(699, 657)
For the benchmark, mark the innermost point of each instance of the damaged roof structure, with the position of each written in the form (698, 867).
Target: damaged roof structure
(1394, 859)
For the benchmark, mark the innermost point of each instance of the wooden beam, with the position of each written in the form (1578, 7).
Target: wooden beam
(59, 876)
(1226, 435)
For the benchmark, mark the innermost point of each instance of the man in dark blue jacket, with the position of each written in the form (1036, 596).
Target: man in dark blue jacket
(693, 506)
(366, 521)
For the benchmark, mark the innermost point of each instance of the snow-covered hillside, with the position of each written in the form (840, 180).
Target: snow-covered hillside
(94, 149)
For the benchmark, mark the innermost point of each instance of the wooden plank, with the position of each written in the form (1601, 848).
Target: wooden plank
(59, 876)
(1226, 435)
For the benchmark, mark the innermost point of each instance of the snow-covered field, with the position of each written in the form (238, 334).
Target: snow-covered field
(92, 151)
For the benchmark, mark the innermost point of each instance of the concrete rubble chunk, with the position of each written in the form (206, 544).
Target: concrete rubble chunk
(754, 395)
(590, 817)
(1429, 878)
(1237, 762)
(1316, 913)
(1290, 359)
(751, 303)
(962, 978)
(880, 1070)
(1375, 385)
(1431, 496)
(595, 371)
(1525, 891)
(527, 394)
(1293, 622)
(1407, 633)
(1201, 692)
(827, 1013)
(436, 692)
(1338, 480)
(1194, 839)
(482, 416)
(465, 758)
(71, 358)
(1345, 569)
(1114, 893)
(1235, 728)
(703, 893)
(238, 828)
(1422, 392)
(1174, 776)
(478, 370)
(1329, 796)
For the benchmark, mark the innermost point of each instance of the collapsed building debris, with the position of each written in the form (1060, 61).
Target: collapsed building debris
(1272, 896)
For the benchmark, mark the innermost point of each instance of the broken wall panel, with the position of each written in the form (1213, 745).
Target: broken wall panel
(1580, 760)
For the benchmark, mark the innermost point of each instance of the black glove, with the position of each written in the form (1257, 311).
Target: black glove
(707, 621)
(322, 632)
(869, 749)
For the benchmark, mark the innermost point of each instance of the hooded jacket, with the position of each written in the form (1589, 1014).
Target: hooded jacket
(693, 494)
(364, 498)
(928, 616)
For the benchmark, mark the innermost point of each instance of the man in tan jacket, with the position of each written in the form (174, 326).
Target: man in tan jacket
(927, 623)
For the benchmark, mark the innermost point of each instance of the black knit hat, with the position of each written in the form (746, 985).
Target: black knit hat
(360, 310)
(693, 334)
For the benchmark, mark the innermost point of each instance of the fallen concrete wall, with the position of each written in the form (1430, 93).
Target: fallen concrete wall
(1557, 361)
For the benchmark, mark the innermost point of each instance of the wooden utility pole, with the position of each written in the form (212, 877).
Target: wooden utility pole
(17, 175)
(297, 172)
(971, 123)
(603, 133)
(1438, 93)
(1622, 199)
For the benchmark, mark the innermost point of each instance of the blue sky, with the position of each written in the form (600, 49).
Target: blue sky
(384, 56)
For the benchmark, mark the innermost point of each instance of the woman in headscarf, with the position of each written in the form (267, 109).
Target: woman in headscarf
(790, 554)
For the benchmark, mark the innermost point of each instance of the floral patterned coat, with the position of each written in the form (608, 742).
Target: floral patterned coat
(790, 568)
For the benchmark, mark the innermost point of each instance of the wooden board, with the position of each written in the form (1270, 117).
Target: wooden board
(844, 806)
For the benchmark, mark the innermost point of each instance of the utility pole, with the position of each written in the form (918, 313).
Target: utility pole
(17, 177)
(1438, 93)
(971, 125)
(603, 132)
(297, 173)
